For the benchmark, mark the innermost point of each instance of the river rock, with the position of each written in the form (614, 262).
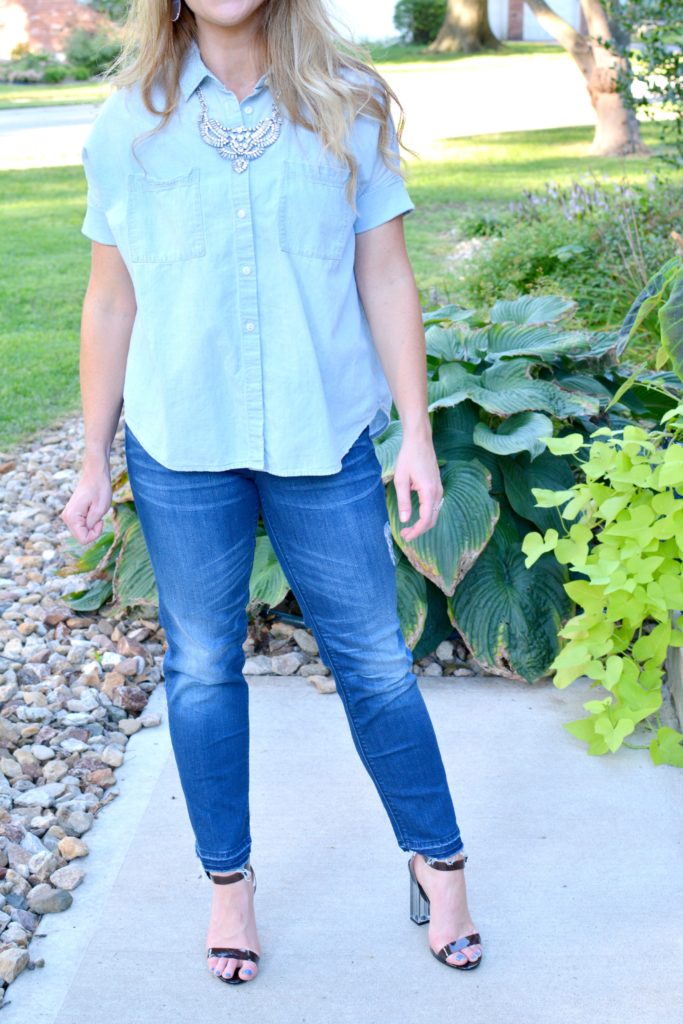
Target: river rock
(306, 641)
(287, 664)
(43, 899)
(323, 684)
(12, 962)
(71, 847)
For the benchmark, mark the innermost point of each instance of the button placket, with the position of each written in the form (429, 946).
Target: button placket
(245, 252)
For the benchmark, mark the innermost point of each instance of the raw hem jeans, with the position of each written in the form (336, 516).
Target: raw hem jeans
(331, 539)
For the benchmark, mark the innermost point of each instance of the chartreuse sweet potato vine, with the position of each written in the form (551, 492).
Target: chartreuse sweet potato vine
(626, 540)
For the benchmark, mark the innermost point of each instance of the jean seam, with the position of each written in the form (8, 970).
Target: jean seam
(323, 644)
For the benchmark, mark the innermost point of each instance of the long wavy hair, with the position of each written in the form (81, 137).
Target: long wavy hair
(305, 54)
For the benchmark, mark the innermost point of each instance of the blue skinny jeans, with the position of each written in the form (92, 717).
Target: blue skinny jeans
(330, 534)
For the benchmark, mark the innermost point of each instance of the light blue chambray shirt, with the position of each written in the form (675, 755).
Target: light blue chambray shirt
(250, 346)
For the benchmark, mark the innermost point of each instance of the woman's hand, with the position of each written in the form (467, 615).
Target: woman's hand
(87, 506)
(417, 470)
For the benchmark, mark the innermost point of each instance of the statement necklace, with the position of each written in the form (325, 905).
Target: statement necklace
(239, 144)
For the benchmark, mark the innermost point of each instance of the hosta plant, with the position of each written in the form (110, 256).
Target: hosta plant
(498, 385)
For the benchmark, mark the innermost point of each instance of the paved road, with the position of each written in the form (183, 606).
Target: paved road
(43, 136)
(494, 94)
(575, 879)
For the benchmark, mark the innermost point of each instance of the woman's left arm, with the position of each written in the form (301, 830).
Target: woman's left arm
(387, 289)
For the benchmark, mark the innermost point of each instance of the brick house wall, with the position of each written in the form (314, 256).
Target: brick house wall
(43, 24)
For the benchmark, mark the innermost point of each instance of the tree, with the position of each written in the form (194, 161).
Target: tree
(603, 67)
(465, 29)
(116, 10)
(656, 63)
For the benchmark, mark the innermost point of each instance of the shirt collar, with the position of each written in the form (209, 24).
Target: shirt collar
(194, 71)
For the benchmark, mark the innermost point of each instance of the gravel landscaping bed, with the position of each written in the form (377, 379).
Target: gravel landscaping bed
(74, 688)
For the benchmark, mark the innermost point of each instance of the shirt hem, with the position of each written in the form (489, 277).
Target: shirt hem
(215, 468)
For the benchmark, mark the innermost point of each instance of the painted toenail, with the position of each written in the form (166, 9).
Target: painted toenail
(249, 972)
(460, 956)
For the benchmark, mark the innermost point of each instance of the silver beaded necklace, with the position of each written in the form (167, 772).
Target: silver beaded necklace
(240, 145)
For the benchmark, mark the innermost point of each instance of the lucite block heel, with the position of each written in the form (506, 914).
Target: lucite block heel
(419, 905)
(419, 913)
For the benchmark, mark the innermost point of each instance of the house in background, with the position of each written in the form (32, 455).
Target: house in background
(43, 24)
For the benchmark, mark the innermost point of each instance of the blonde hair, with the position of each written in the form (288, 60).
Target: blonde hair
(306, 57)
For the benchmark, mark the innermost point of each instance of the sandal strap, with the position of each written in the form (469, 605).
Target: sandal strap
(236, 876)
(442, 865)
(232, 953)
(461, 943)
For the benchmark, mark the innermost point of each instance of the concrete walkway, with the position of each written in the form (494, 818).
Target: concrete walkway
(575, 879)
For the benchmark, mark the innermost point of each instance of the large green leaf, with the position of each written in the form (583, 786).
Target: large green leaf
(648, 300)
(509, 615)
(387, 447)
(267, 584)
(584, 384)
(91, 598)
(529, 340)
(510, 387)
(453, 440)
(445, 552)
(447, 314)
(518, 433)
(438, 625)
(533, 309)
(506, 388)
(548, 472)
(671, 323)
(133, 581)
(411, 587)
(458, 343)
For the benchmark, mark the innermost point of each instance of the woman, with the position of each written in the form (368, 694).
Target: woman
(252, 305)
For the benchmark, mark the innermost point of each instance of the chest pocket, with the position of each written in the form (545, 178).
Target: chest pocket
(165, 221)
(315, 218)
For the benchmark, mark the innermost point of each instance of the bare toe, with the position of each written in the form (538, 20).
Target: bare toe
(248, 970)
(230, 968)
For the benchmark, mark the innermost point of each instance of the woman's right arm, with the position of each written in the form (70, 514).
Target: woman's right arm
(106, 324)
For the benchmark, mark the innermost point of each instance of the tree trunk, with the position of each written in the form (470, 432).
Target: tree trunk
(465, 29)
(617, 132)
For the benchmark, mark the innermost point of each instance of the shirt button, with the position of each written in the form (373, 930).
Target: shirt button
(246, 270)
(250, 325)
(248, 110)
(241, 214)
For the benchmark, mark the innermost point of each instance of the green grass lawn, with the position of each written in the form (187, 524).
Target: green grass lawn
(39, 95)
(46, 258)
(402, 53)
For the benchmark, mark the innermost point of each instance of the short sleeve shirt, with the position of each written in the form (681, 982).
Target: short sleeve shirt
(250, 346)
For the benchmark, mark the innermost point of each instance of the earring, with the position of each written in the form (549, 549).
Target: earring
(175, 9)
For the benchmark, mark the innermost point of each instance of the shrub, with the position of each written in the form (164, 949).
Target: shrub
(419, 21)
(94, 51)
(80, 74)
(24, 76)
(56, 73)
(625, 547)
(595, 240)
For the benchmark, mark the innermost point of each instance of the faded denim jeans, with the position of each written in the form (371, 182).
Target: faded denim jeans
(329, 536)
